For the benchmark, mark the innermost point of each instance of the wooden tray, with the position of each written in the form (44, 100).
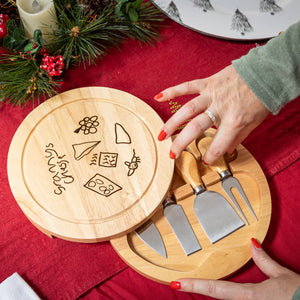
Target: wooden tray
(214, 261)
(86, 165)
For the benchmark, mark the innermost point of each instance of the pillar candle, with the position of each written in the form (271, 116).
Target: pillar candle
(43, 19)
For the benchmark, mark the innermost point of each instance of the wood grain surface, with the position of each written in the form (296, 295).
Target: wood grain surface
(214, 261)
(86, 165)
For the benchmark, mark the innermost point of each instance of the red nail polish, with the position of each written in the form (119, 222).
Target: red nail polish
(176, 285)
(162, 135)
(172, 155)
(255, 243)
(158, 96)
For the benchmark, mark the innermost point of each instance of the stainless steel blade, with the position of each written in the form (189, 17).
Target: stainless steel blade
(231, 182)
(150, 235)
(228, 181)
(182, 228)
(216, 216)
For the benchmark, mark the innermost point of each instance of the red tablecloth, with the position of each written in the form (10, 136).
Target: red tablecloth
(58, 269)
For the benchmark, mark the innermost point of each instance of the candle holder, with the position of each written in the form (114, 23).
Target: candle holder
(37, 14)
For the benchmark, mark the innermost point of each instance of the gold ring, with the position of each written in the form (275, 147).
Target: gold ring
(211, 116)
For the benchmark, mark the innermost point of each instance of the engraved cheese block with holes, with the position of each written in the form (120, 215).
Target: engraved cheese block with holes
(86, 165)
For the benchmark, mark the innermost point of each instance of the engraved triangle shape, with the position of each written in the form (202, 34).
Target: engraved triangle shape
(83, 149)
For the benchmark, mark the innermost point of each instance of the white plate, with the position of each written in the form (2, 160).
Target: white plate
(233, 19)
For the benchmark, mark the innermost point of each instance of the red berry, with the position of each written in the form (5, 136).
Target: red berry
(3, 30)
(4, 18)
(53, 65)
(44, 51)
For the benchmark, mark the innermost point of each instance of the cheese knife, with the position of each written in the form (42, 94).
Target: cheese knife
(228, 181)
(216, 216)
(180, 225)
(150, 235)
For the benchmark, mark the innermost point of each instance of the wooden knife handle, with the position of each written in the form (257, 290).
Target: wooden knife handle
(192, 148)
(220, 165)
(186, 167)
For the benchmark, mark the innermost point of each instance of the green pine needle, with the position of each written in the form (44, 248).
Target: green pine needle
(21, 80)
(80, 38)
(146, 29)
(83, 36)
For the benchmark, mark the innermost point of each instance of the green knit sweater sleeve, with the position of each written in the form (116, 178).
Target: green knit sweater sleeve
(297, 294)
(272, 71)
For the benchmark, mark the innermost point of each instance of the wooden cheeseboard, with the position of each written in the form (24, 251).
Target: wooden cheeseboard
(86, 165)
(213, 261)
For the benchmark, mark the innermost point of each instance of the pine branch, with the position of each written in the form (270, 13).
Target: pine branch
(21, 80)
(80, 37)
(146, 27)
(83, 36)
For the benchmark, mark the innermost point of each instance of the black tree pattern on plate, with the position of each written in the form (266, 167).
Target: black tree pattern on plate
(204, 4)
(269, 6)
(173, 11)
(240, 23)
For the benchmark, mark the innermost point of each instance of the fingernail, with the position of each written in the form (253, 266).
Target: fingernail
(176, 285)
(172, 155)
(162, 135)
(158, 96)
(255, 243)
(204, 162)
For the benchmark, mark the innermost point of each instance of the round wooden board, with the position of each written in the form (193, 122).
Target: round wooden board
(213, 261)
(86, 165)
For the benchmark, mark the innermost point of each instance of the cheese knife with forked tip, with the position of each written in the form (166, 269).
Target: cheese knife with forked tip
(228, 181)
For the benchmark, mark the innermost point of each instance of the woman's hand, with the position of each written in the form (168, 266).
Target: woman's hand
(282, 282)
(236, 108)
